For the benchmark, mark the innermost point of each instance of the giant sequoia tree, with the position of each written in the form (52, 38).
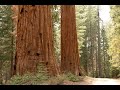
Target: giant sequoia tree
(34, 42)
(69, 46)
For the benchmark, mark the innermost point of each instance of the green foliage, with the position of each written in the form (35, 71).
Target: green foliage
(87, 34)
(19, 80)
(30, 78)
(42, 79)
(5, 29)
(86, 19)
(114, 37)
(81, 17)
(72, 77)
(6, 47)
(56, 30)
(115, 72)
(57, 80)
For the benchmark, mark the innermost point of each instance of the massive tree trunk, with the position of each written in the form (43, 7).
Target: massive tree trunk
(34, 42)
(69, 46)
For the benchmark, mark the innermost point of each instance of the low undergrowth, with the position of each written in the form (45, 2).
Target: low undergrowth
(28, 79)
(42, 79)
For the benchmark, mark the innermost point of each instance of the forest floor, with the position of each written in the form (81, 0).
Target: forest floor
(62, 80)
(94, 81)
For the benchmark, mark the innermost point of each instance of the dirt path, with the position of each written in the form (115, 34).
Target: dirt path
(95, 81)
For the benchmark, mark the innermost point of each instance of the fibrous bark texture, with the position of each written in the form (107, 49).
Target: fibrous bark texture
(34, 42)
(69, 46)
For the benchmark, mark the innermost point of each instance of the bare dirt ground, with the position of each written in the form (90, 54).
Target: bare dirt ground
(94, 81)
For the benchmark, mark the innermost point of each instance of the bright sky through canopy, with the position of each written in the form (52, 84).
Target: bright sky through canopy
(104, 13)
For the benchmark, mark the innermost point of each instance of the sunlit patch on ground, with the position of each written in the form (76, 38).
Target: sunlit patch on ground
(95, 81)
(102, 81)
(105, 81)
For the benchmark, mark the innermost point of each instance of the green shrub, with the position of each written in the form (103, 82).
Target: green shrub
(57, 80)
(72, 77)
(29, 78)
(115, 72)
(18, 80)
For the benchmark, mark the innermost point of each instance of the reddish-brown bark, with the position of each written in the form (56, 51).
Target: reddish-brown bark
(69, 46)
(34, 42)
